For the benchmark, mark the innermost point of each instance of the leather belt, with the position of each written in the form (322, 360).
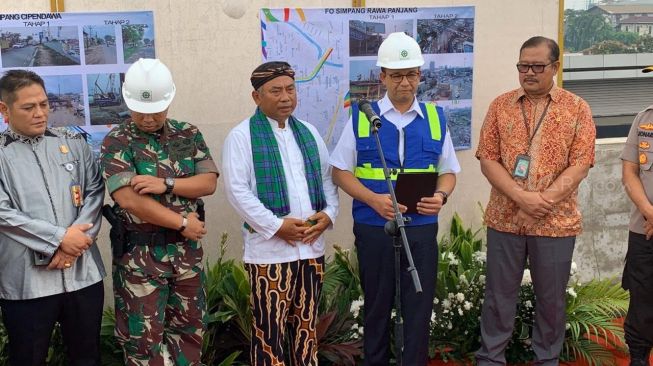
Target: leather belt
(156, 238)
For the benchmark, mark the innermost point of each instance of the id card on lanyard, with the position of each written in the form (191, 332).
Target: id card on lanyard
(523, 162)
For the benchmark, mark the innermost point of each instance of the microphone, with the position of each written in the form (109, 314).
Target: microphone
(365, 107)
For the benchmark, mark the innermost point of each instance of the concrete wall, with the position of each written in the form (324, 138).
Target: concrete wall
(211, 56)
(601, 249)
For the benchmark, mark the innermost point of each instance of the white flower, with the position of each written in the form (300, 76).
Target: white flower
(574, 268)
(481, 278)
(571, 292)
(467, 305)
(567, 326)
(463, 279)
(354, 327)
(528, 304)
(479, 256)
(450, 296)
(446, 304)
(526, 277)
(460, 297)
(433, 317)
(449, 326)
(460, 311)
(355, 307)
(454, 262)
(450, 256)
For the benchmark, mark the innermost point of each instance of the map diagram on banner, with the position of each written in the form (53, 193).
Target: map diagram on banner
(333, 51)
(321, 83)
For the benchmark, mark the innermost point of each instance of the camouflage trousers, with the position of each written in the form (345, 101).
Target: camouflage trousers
(285, 294)
(153, 311)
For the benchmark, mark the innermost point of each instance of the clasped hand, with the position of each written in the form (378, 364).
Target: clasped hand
(293, 230)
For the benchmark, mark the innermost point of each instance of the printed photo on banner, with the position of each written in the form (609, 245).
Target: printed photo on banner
(105, 100)
(100, 45)
(137, 42)
(66, 98)
(39, 46)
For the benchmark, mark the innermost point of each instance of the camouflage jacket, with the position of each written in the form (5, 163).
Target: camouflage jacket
(178, 151)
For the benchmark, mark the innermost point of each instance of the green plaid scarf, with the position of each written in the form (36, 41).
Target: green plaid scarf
(268, 168)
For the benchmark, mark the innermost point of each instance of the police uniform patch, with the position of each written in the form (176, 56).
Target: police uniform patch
(643, 158)
(647, 126)
(644, 145)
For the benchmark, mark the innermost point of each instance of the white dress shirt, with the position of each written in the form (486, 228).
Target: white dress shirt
(344, 155)
(262, 246)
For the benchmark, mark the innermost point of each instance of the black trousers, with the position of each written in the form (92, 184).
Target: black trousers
(376, 265)
(30, 324)
(638, 279)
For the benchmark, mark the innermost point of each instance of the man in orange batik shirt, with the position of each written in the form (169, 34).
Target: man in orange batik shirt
(536, 145)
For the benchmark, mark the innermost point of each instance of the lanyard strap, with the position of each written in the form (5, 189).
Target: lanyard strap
(539, 123)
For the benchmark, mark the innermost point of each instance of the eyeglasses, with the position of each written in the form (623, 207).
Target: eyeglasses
(538, 69)
(398, 78)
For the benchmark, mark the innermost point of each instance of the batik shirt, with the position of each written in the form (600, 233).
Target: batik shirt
(565, 138)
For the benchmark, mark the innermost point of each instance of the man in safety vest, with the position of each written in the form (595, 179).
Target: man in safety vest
(414, 138)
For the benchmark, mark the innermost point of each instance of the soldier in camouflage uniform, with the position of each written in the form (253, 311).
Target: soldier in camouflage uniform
(155, 169)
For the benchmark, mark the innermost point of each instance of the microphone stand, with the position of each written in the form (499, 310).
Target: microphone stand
(397, 229)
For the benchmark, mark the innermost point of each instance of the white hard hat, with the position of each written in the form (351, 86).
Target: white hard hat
(399, 51)
(148, 86)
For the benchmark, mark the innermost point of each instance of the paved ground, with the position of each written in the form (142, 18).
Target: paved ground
(101, 54)
(17, 57)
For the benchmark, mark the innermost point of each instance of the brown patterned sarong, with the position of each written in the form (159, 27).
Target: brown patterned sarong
(285, 298)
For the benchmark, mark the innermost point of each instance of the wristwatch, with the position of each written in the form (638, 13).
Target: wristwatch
(445, 195)
(184, 223)
(170, 184)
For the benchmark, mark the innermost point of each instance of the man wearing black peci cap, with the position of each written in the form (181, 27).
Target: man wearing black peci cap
(278, 179)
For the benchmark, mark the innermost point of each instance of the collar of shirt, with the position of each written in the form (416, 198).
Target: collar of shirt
(24, 139)
(389, 112)
(275, 123)
(160, 135)
(554, 93)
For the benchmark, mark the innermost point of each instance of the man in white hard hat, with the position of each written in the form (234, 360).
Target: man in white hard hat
(413, 136)
(156, 169)
(51, 193)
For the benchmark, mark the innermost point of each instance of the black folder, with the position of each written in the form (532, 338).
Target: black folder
(411, 187)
